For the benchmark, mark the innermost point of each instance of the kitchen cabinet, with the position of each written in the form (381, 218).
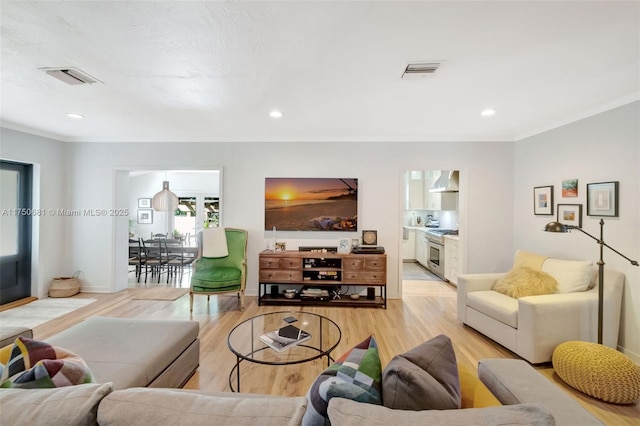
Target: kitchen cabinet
(451, 259)
(438, 200)
(441, 201)
(415, 190)
(409, 244)
(421, 248)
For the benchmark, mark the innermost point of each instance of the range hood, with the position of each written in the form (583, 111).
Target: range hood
(447, 182)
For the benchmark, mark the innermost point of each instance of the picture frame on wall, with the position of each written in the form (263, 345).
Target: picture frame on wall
(570, 214)
(145, 216)
(144, 203)
(570, 188)
(543, 200)
(602, 199)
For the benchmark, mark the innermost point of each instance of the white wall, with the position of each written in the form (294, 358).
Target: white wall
(486, 171)
(496, 198)
(51, 176)
(603, 148)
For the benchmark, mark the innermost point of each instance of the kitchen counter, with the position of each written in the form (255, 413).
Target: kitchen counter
(425, 229)
(418, 228)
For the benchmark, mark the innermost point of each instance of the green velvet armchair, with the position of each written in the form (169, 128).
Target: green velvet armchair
(219, 275)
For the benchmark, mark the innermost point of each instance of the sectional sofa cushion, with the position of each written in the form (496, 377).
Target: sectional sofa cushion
(153, 407)
(572, 275)
(355, 375)
(70, 405)
(344, 412)
(129, 352)
(424, 378)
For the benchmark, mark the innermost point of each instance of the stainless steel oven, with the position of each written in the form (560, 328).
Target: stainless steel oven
(435, 250)
(435, 258)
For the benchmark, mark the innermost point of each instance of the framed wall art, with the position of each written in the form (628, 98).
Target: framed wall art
(543, 200)
(570, 214)
(144, 203)
(602, 199)
(570, 188)
(145, 216)
(311, 204)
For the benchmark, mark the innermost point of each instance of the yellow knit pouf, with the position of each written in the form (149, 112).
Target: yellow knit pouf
(598, 371)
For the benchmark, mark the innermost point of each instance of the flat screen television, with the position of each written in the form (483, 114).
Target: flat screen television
(311, 204)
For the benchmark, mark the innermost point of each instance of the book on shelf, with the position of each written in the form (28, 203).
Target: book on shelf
(285, 338)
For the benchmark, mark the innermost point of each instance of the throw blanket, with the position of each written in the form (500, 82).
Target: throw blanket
(33, 364)
(214, 243)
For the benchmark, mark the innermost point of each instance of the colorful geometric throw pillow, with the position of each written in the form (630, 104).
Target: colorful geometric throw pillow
(356, 375)
(34, 364)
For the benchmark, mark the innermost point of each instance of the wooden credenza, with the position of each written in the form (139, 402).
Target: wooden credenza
(331, 271)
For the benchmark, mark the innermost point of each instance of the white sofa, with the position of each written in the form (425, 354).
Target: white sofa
(533, 326)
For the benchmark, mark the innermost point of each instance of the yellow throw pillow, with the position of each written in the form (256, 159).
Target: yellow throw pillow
(474, 393)
(528, 260)
(524, 282)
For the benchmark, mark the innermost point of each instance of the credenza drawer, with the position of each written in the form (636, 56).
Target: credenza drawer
(364, 277)
(366, 262)
(280, 263)
(279, 275)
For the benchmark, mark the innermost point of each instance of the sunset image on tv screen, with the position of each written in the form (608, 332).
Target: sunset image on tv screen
(311, 204)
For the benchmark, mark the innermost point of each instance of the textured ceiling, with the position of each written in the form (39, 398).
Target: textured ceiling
(212, 70)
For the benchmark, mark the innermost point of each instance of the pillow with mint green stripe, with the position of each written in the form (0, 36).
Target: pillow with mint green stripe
(356, 375)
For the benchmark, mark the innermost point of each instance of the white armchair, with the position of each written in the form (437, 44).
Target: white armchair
(533, 326)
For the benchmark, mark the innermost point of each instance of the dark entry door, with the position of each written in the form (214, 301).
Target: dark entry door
(15, 231)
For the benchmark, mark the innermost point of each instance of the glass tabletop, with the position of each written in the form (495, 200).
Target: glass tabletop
(244, 339)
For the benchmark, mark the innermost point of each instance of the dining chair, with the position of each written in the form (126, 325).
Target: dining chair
(177, 259)
(156, 257)
(137, 257)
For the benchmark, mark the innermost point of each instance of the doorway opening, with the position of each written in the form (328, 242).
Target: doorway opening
(15, 231)
(430, 222)
(199, 196)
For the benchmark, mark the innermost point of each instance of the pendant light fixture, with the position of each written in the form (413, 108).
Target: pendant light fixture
(165, 200)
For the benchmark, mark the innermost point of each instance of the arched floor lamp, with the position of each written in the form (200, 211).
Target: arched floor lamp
(559, 227)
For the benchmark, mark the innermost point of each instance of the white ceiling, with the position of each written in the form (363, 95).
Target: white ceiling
(213, 70)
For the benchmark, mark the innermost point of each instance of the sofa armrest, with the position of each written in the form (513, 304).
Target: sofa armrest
(468, 283)
(10, 333)
(539, 317)
(513, 381)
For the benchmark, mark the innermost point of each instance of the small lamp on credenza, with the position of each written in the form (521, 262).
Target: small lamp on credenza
(559, 227)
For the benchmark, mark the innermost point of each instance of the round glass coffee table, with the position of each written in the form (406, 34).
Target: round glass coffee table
(244, 341)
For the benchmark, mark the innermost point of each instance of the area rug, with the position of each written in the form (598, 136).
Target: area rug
(158, 293)
(41, 311)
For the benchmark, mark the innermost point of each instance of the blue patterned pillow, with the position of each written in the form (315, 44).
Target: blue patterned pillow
(356, 375)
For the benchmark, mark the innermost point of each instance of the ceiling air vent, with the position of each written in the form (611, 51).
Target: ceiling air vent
(71, 75)
(420, 70)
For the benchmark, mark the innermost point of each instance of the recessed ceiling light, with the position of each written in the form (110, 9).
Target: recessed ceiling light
(74, 115)
(275, 114)
(488, 112)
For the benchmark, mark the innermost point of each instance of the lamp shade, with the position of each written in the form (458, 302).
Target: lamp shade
(165, 200)
(556, 227)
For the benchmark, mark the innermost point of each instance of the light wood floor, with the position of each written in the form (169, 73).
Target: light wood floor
(428, 308)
